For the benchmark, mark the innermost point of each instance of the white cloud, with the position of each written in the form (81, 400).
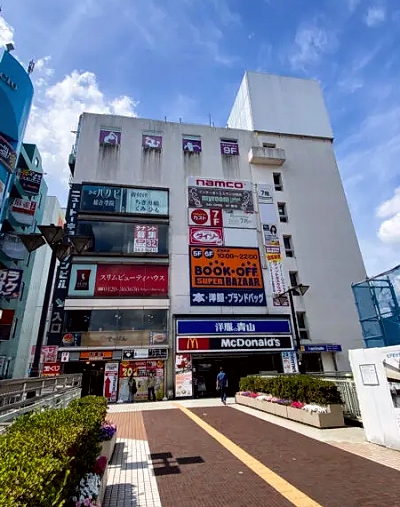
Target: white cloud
(311, 43)
(55, 113)
(375, 16)
(389, 230)
(6, 32)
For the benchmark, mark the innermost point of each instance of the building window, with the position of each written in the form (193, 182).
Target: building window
(278, 182)
(125, 237)
(302, 325)
(294, 281)
(269, 145)
(282, 212)
(287, 243)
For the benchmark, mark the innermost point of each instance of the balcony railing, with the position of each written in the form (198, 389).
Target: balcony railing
(259, 155)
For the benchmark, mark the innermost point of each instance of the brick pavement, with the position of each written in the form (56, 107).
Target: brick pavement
(331, 476)
(192, 470)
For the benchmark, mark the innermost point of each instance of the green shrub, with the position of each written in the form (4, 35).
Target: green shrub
(304, 388)
(44, 455)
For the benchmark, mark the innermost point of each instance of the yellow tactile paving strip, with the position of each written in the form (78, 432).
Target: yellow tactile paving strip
(283, 487)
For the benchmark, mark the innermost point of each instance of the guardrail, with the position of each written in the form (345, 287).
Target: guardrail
(20, 396)
(13, 391)
(346, 387)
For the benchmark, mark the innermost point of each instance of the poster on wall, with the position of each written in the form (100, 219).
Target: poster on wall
(391, 364)
(220, 194)
(30, 181)
(289, 362)
(145, 239)
(226, 277)
(110, 387)
(183, 376)
(141, 370)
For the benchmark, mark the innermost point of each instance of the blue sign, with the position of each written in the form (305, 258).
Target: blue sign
(232, 327)
(16, 93)
(227, 297)
(329, 347)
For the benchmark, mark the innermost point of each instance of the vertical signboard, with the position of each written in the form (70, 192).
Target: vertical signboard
(110, 388)
(64, 270)
(183, 376)
(272, 245)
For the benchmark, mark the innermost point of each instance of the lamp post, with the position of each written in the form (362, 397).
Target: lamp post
(61, 246)
(298, 289)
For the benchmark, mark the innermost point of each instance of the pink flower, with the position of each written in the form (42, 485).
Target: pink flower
(87, 502)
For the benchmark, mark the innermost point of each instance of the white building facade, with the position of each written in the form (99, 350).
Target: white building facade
(196, 233)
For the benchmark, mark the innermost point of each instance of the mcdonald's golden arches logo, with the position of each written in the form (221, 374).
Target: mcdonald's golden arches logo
(192, 344)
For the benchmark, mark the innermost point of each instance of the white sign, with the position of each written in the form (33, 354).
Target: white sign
(141, 353)
(289, 362)
(194, 181)
(64, 357)
(265, 193)
(206, 236)
(111, 381)
(238, 219)
(241, 237)
(207, 217)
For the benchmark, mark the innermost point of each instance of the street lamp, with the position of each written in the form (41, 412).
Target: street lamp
(297, 290)
(61, 246)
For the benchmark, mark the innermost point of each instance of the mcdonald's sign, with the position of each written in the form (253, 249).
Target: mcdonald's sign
(193, 343)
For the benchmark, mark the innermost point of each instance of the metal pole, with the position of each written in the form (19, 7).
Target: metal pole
(296, 332)
(43, 318)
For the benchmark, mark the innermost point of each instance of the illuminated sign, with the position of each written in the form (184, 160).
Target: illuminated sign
(211, 344)
(6, 79)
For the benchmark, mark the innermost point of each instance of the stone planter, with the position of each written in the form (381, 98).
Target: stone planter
(107, 448)
(332, 419)
(103, 485)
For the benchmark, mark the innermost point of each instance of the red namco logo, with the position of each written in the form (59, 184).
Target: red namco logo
(219, 183)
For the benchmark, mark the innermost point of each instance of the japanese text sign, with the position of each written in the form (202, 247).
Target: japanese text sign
(235, 326)
(205, 217)
(138, 201)
(226, 277)
(131, 281)
(51, 369)
(205, 197)
(110, 137)
(64, 270)
(10, 283)
(229, 147)
(206, 236)
(8, 156)
(24, 206)
(30, 181)
(145, 239)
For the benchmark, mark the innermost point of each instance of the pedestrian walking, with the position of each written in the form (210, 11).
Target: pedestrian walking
(222, 384)
(132, 388)
(151, 387)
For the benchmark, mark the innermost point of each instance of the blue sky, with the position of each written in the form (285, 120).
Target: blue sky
(186, 58)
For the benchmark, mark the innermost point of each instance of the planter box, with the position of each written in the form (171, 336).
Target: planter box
(103, 485)
(107, 448)
(332, 419)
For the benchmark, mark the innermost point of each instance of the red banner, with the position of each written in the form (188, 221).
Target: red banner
(131, 280)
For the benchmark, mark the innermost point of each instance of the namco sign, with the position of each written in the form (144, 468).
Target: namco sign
(220, 184)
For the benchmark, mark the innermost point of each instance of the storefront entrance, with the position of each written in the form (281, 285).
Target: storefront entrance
(206, 368)
(92, 375)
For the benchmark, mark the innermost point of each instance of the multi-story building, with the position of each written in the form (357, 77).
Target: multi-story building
(196, 233)
(23, 210)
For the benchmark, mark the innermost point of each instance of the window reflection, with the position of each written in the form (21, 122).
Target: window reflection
(79, 321)
(125, 237)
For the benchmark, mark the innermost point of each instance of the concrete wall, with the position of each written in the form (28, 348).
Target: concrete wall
(279, 104)
(327, 256)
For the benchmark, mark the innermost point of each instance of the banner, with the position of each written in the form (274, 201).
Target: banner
(62, 277)
(183, 376)
(226, 277)
(289, 362)
(141, 370)
(110, 388)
